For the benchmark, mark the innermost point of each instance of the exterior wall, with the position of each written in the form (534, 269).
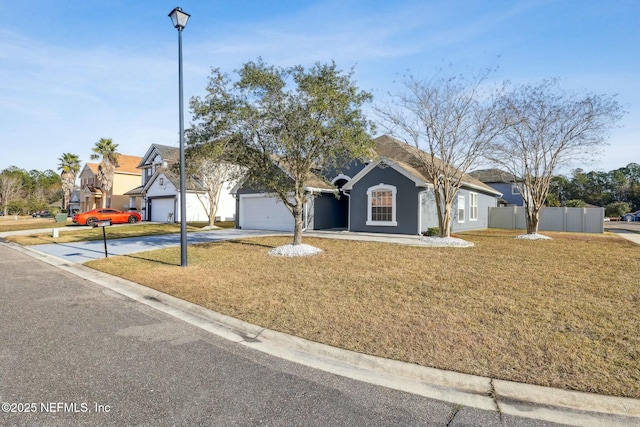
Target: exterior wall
(485, 202)
(349, 170)
(227, 204)
(585, 220)
(124, 182)
(326, 211)
(429, 213)
(406, 202)
(507, 193)
(197, 204)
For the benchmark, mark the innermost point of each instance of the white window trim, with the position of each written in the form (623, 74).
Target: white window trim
(473, 203)
(515, 191)
(370, 190)
(461, 207)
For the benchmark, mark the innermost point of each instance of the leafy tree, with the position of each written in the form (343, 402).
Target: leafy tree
(283, 124)
(575, 203)
(546, 128)
(107, 152)
(616, 209)
(69, 167)
(452, 121)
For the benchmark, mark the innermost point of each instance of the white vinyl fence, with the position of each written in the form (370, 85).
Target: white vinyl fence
(581, 220)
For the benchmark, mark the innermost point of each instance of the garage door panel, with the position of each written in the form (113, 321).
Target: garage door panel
(264, 213)
(161, 208)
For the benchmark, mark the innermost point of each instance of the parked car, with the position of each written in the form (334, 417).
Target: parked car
(41, 214)
(114, 216)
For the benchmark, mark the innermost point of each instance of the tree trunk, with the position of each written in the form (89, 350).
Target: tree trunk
(533, 219)
(445, 224)
(297, 230)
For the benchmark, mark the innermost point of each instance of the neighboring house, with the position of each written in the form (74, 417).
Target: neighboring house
(125, 177)
(391, 194)
(631, 216)
(502, 181)
(159, 191)
(74, 201)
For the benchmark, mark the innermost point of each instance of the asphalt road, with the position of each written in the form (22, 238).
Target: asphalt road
(74, 353)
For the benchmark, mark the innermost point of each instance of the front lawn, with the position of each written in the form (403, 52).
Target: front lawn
(561, 313)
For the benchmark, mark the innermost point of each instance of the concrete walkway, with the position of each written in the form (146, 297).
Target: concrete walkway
(506, 397)
(627, 234)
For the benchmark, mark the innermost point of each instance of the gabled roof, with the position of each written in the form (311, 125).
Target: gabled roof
(126, 165)
(168, 154)
(405, 159)
(493, 176)
(192, 185)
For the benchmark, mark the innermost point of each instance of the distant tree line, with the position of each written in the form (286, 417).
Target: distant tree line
(618, 191)
(23, 192)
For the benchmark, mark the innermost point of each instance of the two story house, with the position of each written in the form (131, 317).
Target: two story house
(159, 192)
(125, 177)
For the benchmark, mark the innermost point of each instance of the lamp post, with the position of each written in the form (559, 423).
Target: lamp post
(179, 20)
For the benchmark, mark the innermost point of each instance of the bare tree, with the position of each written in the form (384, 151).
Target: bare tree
(10, 190)
(451, 121)
(208, 167)
(545, 128)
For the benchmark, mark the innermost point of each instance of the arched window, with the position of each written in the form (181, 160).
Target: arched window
(381, 205)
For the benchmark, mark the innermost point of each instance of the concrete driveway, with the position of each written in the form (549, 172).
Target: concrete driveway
(80, 252)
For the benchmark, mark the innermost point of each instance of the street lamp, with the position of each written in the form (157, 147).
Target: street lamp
(179, 20)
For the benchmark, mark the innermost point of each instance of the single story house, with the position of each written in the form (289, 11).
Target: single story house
(631, 216)
(391, 194)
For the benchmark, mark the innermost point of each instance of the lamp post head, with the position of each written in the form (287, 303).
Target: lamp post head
(179, 18)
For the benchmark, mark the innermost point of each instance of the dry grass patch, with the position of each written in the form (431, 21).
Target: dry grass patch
(85, 235)
(561, 313)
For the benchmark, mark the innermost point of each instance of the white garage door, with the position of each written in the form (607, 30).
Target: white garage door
(264, 213)
(161, 208)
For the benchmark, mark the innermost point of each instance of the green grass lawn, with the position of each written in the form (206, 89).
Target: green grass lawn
(561, 313)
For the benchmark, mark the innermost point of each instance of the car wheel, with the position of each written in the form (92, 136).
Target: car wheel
(132, 219)
(92, 222)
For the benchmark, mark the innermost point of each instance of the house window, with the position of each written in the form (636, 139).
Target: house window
(381, 205)
(161, 181)
(473, 206)
(514, 189)
(460, 208)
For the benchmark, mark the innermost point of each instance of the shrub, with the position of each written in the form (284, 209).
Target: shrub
(431, 231)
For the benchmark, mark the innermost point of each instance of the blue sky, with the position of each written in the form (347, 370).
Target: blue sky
(72, 72)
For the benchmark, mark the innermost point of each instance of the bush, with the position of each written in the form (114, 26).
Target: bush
(616, 209)
(431, 231)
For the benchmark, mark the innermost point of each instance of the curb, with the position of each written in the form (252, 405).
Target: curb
(506, 397)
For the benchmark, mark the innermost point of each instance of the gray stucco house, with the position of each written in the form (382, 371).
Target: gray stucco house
(393, 194)
(502, 181)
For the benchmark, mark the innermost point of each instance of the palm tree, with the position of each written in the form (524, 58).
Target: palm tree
(69, 167)
(105, 150)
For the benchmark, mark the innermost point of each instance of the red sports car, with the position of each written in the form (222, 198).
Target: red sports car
(112, 215)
